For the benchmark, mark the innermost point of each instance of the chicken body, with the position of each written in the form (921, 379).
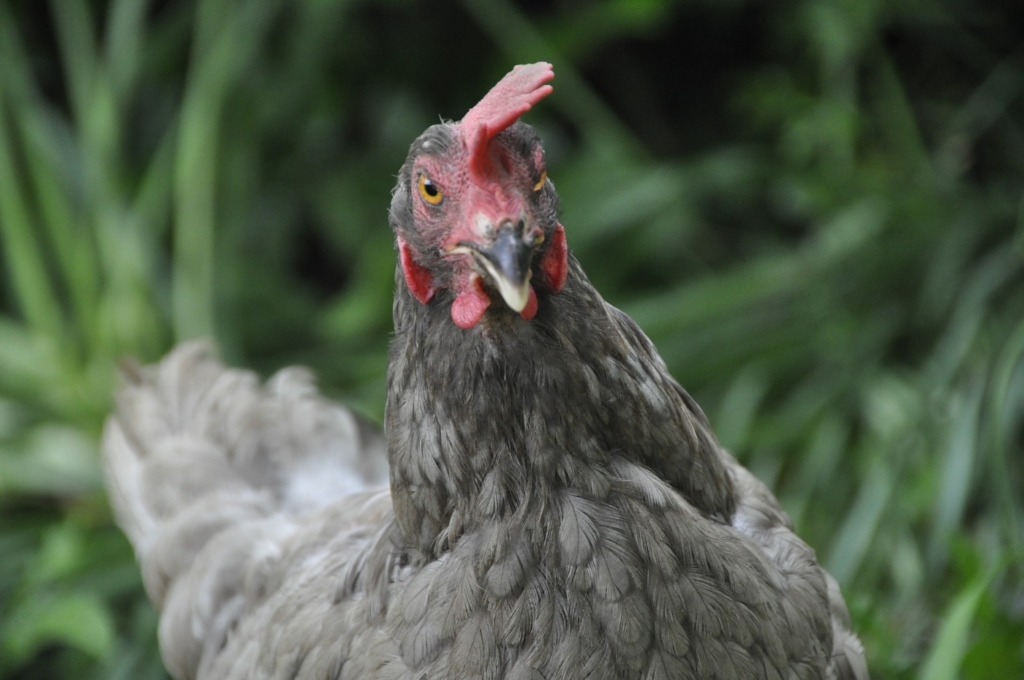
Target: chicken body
(558, 506)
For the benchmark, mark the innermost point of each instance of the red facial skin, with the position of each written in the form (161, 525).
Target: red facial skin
(482, 185)
(469, 202)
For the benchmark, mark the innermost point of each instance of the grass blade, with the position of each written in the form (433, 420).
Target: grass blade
(957, 472)
(74, 250)
(125, 31)
(854, 539)
(24, 255)
(77, 51)
(947, 653)
(195, 179)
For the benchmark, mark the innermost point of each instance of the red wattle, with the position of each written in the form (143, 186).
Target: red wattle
(530, 310)
(470, 305)
(417, 277)
(555, 264)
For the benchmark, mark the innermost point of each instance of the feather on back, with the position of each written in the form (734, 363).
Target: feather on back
(216, 479)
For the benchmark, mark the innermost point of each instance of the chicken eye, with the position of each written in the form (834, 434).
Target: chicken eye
(430, 192)
(540, 183)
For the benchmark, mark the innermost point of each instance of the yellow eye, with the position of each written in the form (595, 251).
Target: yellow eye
(430, 192)
(540, 183)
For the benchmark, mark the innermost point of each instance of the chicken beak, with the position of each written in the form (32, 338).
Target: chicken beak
(507, 262)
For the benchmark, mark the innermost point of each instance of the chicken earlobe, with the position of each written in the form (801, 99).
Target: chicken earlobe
(417, 277)
(555, 264)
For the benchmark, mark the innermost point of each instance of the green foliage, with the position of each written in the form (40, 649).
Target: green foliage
(814, 207)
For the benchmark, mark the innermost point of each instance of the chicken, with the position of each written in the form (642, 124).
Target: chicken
(558, 505)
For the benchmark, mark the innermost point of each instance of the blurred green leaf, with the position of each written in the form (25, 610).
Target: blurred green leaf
(50, 459)
(943, 662)
(80, 620)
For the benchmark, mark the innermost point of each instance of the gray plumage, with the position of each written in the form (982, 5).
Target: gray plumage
(558, 505)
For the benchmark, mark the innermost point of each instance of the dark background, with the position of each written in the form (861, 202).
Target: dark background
(814, 207)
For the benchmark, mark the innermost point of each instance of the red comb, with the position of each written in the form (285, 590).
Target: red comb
(514, 95)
